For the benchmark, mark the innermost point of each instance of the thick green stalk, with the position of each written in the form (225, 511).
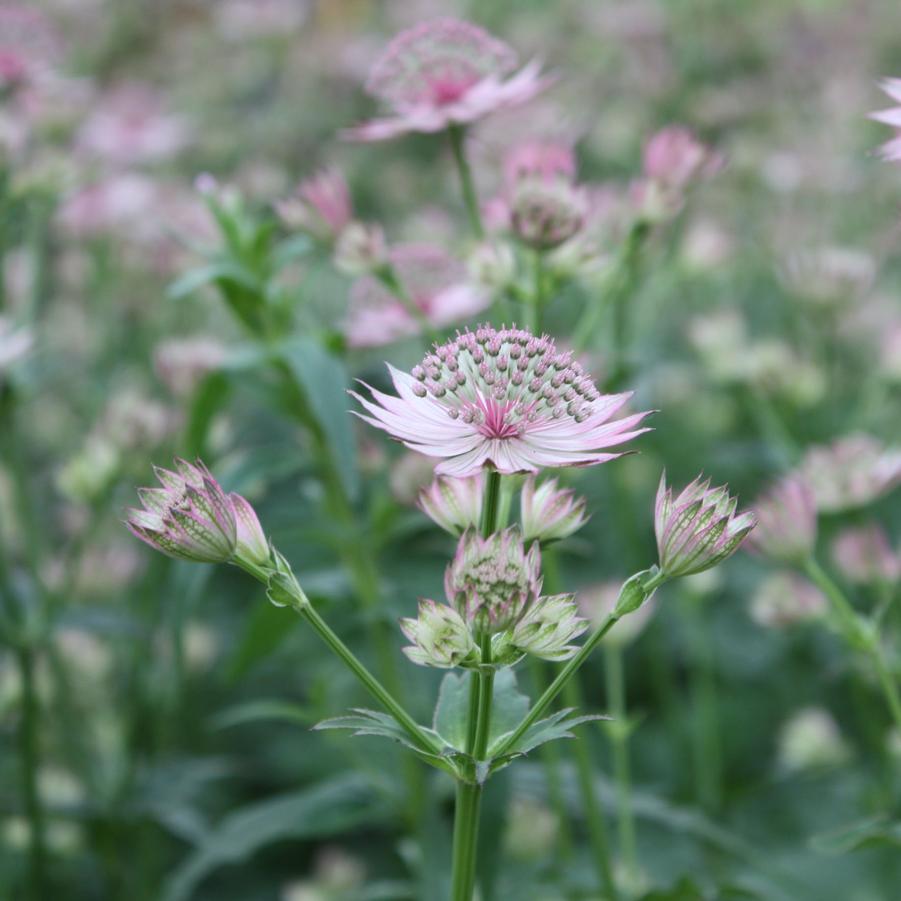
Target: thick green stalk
(594, 815)
(456, 135)
(30, 756)
(466, 820)
(535, 300)
(572, 665)
(619, 739)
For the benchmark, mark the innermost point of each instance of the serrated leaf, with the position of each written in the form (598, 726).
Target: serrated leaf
(213, 272)
(328, 809)
(509, 705)
(558, 725)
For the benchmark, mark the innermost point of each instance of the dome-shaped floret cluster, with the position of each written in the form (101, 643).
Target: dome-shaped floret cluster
(437, 62)
(493, 581)
(502, 397)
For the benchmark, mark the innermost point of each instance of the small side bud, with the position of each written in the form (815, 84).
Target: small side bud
(550, 513)
(454, 504)
(549, 627)
(439, 637)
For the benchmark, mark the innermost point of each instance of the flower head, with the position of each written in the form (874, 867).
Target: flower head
(442, 73)
(545, 213)
(852, 472)
(548, 628)
(440, 637)
(434, 282)
(864, 555)
(493, 581)
(698, 529)
(675, 157)
(548, 512)
(454, 504)
(501, 397)
(320, 205)
(786, 521)
(891, 150)
(360, 249)
(785, 598)
(190, 517)
(545, 160)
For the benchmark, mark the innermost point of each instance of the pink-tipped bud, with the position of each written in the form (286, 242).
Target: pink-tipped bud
(544, 214)
(321, 205)
(454, 504)
(698, 529)
(548, 512)
(548, 628)
(252, 543)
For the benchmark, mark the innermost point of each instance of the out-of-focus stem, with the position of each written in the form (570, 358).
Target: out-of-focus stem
(387, 275)
(594, 815)
(456, 135)
(535, 300)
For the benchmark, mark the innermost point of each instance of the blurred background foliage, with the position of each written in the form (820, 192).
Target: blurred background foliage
(174, 703)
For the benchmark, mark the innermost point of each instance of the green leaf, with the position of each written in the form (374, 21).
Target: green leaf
(863, 833)
(239, 714)
(509, 705)
(209, 399)
(266, 629)
(452, 710)
(221, 270)
(558, 725)
(324, 380)
(290, 249)
(328, 809)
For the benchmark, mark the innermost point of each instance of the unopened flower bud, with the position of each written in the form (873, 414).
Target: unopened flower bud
(544, 214)
(320, 206)
(360, 249)
(190, 517)
(550, 513)
(493, 581)
(492, 265)
(454, 504)
(784, 599)
(440, 637)
(549, 627)
(698, 529)
(252, 544)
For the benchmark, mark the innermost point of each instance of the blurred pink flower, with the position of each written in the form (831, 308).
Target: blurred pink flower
(786, 521)
(29, 45)
(433, 280)
(539, 159)
(864, 555)
(891, 150)
(785, 598)
(442, 73)
(106, 206)
(675, 157)
(320, 205)
(502, 398)
(130, 125)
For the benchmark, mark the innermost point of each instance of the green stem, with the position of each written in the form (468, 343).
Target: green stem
(594, 815)
(572, 665)
(535, 299)
(466, 824)
(456, 135)
(887, 681)
(619, 737)
(30, 752)
(490, 503)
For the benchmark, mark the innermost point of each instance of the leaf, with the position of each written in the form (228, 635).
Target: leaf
(290, 249)
(863, 833)
(265, 630)
(324, 381)
(509, 705)
(251, 712)
(558, 725)
(328, 809)
(213, 272)
(452, 710)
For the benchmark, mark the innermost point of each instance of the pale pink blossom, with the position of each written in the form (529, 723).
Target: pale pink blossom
(891, 150)
(434, 282)
(443, 73)
(30, 47)
(320, 205)
(119, 202)
(675, 157)
(786, 521)
(501, 398)
(786, 598)
(130, 125)
(864, 555)
(547, 160)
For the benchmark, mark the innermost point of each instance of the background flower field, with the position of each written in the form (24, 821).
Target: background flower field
(168, 291)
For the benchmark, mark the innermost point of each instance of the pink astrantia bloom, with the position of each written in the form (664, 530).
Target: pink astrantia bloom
(785, 598)
(697, 529)
(443, 73)
(454, 504)
(548, 160)
(190, 517)
(434, 282)
(493, 581)
(891, 150)
(675, 157)
(548, 628)
(548, 512)
(851, 472)
(864, 555)
(504, 398)
(786, 521)
(29, 46)
(320, 205)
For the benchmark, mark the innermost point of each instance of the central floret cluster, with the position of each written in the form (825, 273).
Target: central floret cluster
(502, 397)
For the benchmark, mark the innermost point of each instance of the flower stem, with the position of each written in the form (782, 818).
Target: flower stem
(535, 299)
(490, 503)
(572, 665)
(466, 822)
(456, 134)
(594, 815)
(29, 752)
(619, 739)
(387, 275)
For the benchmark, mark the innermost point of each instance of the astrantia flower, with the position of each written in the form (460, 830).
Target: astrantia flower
(502, 398)
(548, 628)
(190, 517)
(851, 472)
(440, 637)
(544, 214)
(891, 150)
(698, 529)
(785, 598)
(675, 157)
(444, 73)
(434, 282)
(454, 504)
(548, 512)
(493, 581)
(320, 205)
(786, 521)
(864, 555)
